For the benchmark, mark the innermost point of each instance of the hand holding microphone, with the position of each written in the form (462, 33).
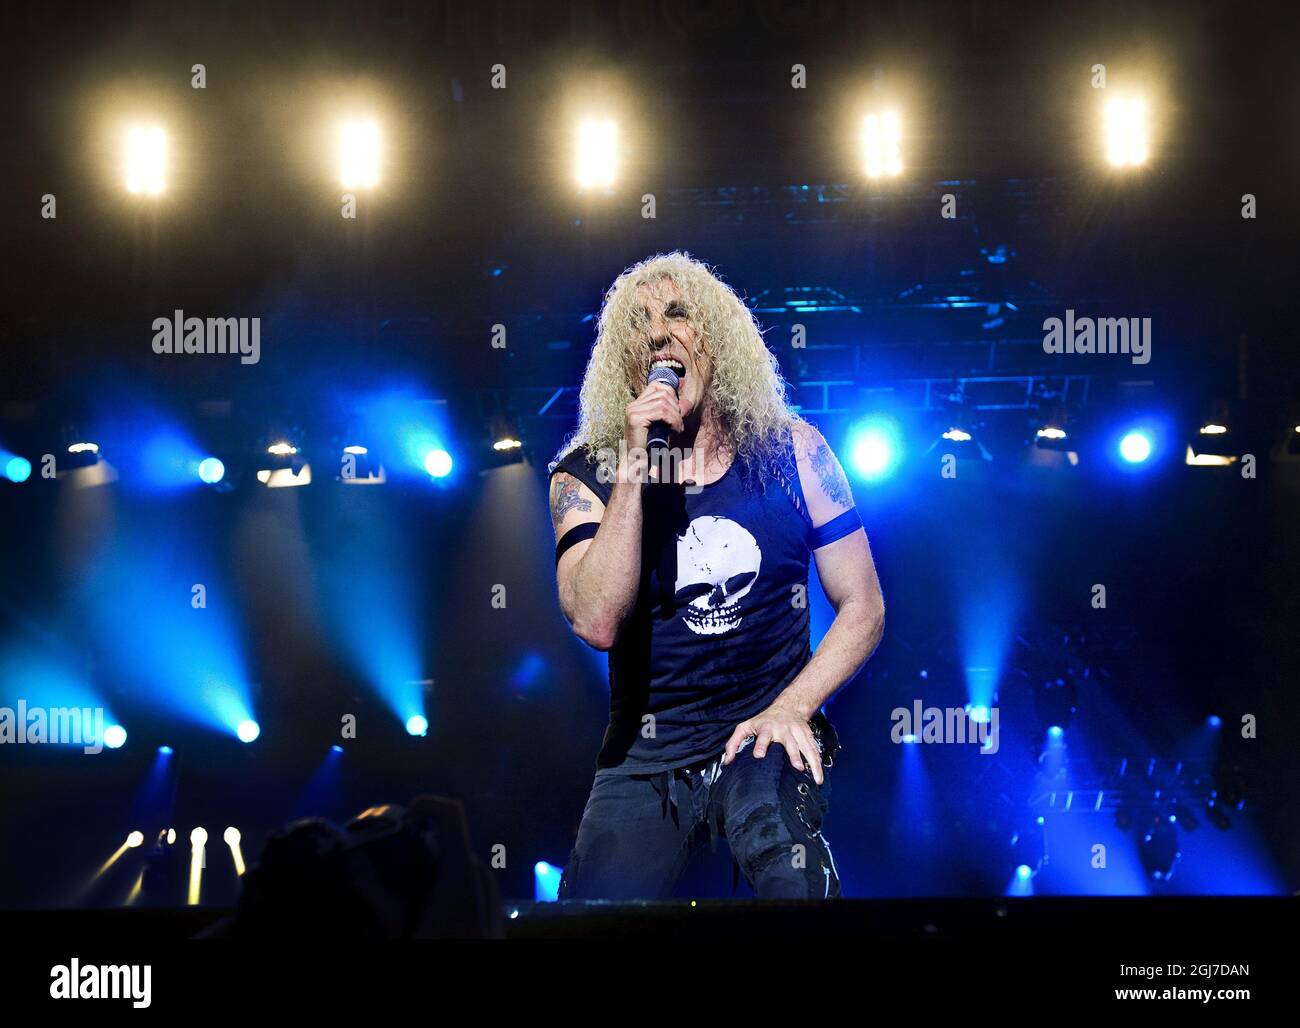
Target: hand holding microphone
(653, 415)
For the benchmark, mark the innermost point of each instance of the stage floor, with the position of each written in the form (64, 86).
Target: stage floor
(966, 921)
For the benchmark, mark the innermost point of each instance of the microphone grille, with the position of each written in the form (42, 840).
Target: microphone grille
(667, 375)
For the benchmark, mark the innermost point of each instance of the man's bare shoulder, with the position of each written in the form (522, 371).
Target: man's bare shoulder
(820, 472)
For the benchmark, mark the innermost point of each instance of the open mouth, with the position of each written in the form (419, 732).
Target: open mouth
(676, 366)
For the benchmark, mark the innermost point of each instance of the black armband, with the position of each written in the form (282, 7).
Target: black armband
(575, 535)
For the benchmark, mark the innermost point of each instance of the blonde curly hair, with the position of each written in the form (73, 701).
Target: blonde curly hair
(746, 393)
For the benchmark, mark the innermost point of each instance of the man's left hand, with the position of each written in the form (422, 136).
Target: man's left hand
(783, 724)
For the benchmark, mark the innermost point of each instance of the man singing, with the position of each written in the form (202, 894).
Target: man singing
(696, 584)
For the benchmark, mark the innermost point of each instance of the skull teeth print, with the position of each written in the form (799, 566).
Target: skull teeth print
(711, 622)
(717, 565)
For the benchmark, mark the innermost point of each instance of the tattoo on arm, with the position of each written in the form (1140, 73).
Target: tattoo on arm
(566, 495)
(832, 477)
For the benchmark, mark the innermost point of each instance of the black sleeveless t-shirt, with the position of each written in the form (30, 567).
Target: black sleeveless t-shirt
(720, 626)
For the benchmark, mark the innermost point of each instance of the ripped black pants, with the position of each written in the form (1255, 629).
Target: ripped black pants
(638, 831)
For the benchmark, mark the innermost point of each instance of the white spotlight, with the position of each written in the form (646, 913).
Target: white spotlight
(597, 152)
(881, 140)
(358, 154)
(146, 160)
(1126, 132)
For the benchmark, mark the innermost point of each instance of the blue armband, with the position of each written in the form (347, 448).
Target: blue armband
(837, 528)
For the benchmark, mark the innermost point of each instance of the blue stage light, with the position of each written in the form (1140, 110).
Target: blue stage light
(1136, 447)
(211, 470)
(1023, 872)
(979, 714)
(165, 751)
(17, 469)
(546, 882)
(45, 681)
(248, 730)
(529, 671)
(875, 447)
(336, 748)
(438, 463)
(417, 724)
(1215, 721)
(114, 737)
(1055, 732)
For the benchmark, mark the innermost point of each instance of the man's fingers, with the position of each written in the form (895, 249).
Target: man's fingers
(673, 413)
(798, 741)
(666, 408)
(741, 733)
(812, 754)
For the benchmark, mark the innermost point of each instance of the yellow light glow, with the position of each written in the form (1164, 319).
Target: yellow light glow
(1051, 432)
(1208, 460)
(597, 164)
(1213, 428)
(134, 839)
(232, 838)
(507, 444)
(146, 160)
(1127, 143)
(957, 435)
(282, 449)
(282, 478)
(198, 838)
(881, 145)
(117, 854)
(359, 154)
(83, 448)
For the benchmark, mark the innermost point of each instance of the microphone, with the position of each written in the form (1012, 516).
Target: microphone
(659, 430)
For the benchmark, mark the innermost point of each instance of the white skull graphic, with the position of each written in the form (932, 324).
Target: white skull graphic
(717, 565)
